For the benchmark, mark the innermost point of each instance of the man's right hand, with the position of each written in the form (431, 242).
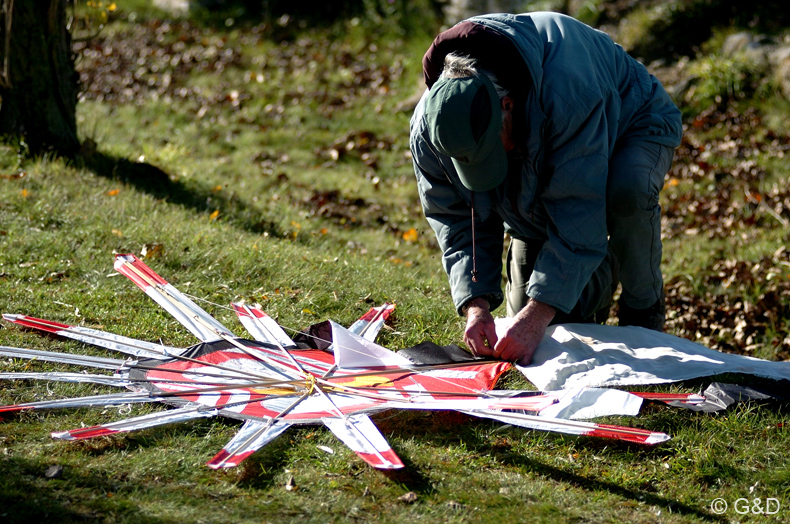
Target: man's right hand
(480, 333)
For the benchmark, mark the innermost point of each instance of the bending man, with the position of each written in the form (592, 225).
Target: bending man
(541, 127)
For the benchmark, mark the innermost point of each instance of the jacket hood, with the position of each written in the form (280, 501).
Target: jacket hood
(521, 30)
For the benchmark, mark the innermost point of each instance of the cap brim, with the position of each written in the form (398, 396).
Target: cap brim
(485, 174)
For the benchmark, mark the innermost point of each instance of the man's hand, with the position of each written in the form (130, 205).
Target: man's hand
(521, 339)
(480, 333)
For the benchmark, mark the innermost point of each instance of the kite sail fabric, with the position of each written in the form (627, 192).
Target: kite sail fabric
(272, 383)
(247, 392)
(591, 355)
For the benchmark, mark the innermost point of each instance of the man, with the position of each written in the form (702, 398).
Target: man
(541, 127)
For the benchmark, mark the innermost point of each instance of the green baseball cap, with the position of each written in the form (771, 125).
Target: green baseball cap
(464, 120)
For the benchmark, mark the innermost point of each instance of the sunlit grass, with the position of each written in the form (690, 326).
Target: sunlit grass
(264, 171)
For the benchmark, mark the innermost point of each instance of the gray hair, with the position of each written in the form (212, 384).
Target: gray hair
(463, 66)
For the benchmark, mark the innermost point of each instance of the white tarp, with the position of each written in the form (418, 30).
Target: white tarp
(591, 355)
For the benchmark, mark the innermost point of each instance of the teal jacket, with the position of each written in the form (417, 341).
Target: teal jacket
(583, 94)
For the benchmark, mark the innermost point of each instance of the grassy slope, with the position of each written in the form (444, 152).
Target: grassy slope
(312, 229)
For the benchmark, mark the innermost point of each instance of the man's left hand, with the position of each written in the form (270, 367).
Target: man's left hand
(522, 337)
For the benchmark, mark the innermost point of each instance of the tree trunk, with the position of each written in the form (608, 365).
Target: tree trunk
(38, 82)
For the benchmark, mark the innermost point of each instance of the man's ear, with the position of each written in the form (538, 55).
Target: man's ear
(507, 104)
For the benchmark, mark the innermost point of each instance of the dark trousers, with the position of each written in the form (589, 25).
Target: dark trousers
(636, 177)
(593, 305)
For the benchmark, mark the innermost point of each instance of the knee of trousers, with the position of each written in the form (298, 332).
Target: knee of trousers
(636, 177)
(628, 201)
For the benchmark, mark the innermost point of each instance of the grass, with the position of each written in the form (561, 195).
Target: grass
(305, 202)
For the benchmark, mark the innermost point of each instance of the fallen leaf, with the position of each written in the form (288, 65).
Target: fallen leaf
(55, 275)
(410, 235)
(152, 250)
(289, 484)
(408, 498)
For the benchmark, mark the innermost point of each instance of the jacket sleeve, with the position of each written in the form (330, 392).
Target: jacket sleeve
(450, 216)
(576, 168)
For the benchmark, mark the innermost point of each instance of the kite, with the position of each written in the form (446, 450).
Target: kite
(271, 383)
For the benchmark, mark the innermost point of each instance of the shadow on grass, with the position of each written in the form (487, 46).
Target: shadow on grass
(410, 477)
(193, 196)
(27, 495)
(464, 431)
(260, 470)
(592, 484)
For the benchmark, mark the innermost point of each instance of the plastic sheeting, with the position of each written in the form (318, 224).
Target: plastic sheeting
(591, 355)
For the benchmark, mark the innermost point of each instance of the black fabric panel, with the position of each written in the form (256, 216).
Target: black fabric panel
(430, 353)
(317, 336)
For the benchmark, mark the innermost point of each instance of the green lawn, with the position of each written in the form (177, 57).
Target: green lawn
(284, 178)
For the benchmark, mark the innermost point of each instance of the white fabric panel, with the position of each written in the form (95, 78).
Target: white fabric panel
(579, 355)
(353, 351)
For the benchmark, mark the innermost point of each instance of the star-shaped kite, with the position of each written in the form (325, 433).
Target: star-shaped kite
(271, 383)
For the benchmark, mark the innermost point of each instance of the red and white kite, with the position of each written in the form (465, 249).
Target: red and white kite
(271, 384)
